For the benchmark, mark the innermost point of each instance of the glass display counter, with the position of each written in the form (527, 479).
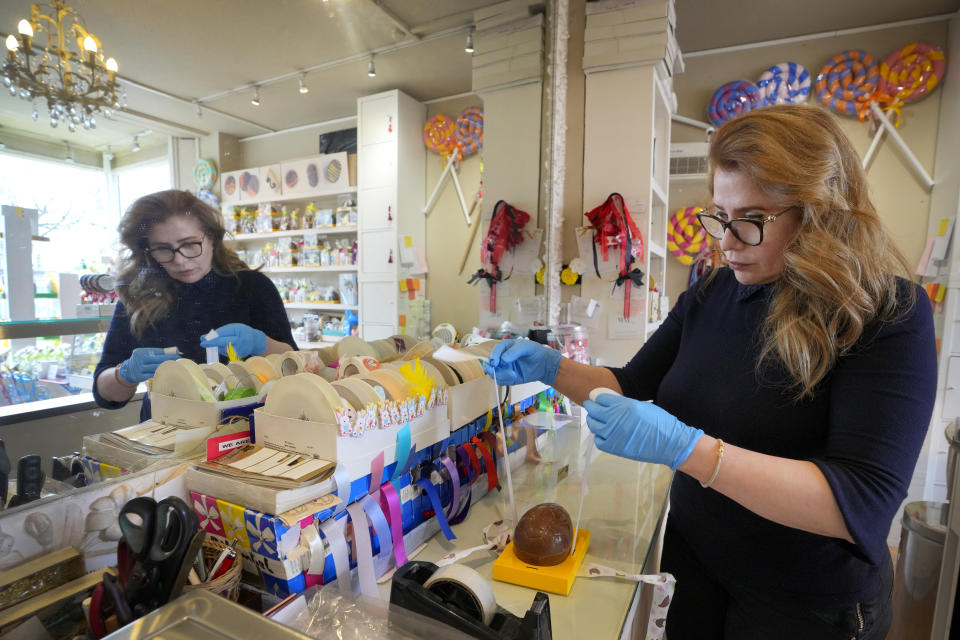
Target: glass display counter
(46, 359)
(623, 510)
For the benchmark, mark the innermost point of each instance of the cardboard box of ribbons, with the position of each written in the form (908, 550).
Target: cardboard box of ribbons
(272, 545)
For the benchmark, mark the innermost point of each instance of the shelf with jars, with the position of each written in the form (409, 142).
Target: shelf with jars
(308, 247)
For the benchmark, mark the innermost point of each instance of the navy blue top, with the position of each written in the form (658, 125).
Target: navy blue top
(863, 427)
(213, 301)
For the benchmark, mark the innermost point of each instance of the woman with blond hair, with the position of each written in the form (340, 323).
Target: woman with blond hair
(177, 281)
(807, 365)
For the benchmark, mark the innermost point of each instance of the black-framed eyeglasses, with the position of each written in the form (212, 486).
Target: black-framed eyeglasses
(187, 250)
(746, 230)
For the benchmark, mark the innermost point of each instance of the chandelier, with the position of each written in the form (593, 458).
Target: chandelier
(69, 73)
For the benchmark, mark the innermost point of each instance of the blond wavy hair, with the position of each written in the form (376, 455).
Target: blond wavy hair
(147, 292)
(841, 271)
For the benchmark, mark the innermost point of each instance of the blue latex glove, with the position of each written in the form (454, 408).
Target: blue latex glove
(639, 430)
(519, 361)
(246, 340)
(143, 363)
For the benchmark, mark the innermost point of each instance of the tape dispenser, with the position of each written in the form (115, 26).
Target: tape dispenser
(459, 597)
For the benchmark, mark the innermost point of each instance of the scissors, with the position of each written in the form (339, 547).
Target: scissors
(159, 542)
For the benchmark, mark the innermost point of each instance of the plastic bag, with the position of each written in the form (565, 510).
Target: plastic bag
(331, 615)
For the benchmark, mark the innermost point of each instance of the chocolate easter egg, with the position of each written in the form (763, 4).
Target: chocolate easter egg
(544, 535)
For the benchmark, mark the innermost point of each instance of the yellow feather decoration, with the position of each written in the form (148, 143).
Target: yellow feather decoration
(417, 377)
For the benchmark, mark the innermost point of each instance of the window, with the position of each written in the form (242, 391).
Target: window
(72, 203)
(140, 179)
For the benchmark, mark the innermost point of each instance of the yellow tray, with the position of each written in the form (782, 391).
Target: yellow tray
(556, 579)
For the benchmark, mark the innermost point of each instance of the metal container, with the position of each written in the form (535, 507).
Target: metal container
(952, 433)
(918, 569)
(201, 615)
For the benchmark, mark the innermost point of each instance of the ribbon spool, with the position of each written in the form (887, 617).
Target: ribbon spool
(466, 588)
(784, 83)
(438, 135)
(910, 73)
(686, 239)
(468, 135)
(733, 99)
(356, 365)
(848, 81)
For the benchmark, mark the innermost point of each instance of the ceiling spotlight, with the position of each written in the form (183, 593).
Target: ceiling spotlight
(69, 157)
(199, 109)
(371, 70)
(303, 83)
(469, 47)
(136, 144)
(255, 101)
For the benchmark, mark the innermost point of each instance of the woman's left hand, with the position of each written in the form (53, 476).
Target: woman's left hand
(639, 430)
(246, 340)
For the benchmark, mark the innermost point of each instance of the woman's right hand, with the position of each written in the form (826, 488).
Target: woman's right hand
(143, 363)
(519, 361)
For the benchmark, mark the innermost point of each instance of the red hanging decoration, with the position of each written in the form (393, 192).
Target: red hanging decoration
(612, 225)
(505, 233)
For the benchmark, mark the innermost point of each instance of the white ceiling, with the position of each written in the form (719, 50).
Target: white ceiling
(175, 52)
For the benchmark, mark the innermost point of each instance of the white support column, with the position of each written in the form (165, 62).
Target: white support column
(630, 54)
(507, 75)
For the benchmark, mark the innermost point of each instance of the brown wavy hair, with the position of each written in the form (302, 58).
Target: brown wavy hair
(147, 292)
(841, 271)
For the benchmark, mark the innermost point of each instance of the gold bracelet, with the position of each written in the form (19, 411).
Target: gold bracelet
(716, 469)
(121, 381)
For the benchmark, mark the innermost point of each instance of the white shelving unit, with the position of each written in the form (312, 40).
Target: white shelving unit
(321, 275)
(390, 199)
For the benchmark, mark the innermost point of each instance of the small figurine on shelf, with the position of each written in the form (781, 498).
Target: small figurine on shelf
(294, 253)
(309, 215)
(237, 220)
(324, 218)
(276, 218)
(249, 220)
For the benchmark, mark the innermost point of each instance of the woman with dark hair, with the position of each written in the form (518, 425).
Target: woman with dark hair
(176, 281)
(808, 365)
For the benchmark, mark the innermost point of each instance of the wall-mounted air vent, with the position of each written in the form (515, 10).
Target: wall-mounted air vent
(689, 159)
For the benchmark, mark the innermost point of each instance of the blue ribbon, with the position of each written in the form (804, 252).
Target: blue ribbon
(341, 478)
(426, 485)
(379, 522)
(404, 454)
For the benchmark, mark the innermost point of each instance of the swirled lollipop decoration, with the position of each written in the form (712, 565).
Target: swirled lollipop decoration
(909, 74)
(784, 83)
(438, 135)
(686, 239)
(732, 99)
(848, 81)
(444, 136)
(204, 173)
(469, 130)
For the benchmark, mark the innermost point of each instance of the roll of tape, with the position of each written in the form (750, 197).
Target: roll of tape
(356, 365)
(466, 588)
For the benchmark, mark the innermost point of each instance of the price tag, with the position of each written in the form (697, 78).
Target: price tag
(620, 328)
